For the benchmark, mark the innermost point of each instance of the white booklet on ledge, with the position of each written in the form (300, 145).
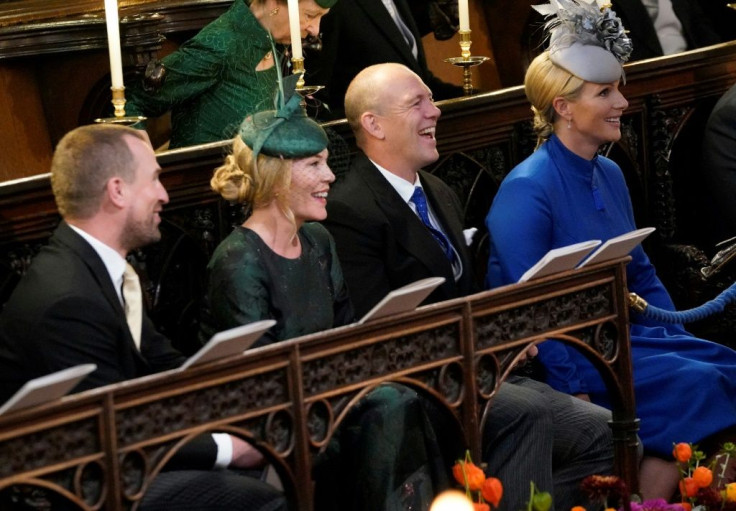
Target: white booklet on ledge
(619, 246)
(560, 259)
(229, 342)
(47, 388)
(403, 299)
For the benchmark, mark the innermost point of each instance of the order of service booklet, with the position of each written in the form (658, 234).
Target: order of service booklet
(47, 388)
(229, 342)
(560, 259)
(403, 299)
(618, 246)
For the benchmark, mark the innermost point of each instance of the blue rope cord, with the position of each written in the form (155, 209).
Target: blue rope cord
(714, 306)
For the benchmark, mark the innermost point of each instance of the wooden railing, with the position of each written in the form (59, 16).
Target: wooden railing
(102, 448)
(480, 139)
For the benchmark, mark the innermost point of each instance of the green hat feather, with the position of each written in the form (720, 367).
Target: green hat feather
(286, 132)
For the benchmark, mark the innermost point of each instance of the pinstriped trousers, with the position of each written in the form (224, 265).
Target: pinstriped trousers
(534, 433)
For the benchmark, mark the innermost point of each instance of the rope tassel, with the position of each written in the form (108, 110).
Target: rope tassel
(714, 306)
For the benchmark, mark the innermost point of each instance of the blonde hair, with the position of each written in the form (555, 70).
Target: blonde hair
(84, 160)
(544, 81)
(243, 180)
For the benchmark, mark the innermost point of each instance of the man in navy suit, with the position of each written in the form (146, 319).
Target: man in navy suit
(69, 307)
(379, 223)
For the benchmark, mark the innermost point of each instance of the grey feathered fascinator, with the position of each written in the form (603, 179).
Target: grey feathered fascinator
(587, 39)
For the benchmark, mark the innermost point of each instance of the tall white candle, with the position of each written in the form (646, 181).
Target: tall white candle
(295, 29)
(113, 43)
(462, 7)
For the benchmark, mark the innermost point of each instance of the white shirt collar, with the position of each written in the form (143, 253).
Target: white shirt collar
(114, 262)
(403, 187)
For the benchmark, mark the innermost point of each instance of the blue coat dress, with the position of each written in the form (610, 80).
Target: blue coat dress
(685, 387)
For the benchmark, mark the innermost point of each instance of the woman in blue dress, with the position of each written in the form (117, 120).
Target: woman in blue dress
(566, 193)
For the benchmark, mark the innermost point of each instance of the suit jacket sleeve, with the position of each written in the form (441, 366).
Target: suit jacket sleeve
(70, 338)
(361, 251)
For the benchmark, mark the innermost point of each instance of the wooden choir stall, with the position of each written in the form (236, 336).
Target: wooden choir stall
(101, 449)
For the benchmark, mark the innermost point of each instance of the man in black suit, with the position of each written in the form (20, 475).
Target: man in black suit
(359, 33)
(681, 19)
(69, 308)
(375, 215)
(719, 168)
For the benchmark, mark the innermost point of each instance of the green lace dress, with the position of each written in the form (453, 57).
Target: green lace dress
(247, 282)
(211, 81)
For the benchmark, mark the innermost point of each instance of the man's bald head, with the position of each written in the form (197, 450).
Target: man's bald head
(371, 91)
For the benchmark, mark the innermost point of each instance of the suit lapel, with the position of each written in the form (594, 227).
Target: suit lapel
(411, 233)
(442, 209)
(452, 225)
(384, 23)
(67, 236)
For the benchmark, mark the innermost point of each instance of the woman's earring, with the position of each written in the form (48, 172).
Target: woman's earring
(274, 12)
(569, 123)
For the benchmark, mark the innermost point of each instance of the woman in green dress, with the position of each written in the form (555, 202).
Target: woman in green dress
(225, 72)
(279, 264)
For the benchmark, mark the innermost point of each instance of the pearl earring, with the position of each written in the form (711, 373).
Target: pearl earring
(569, 123)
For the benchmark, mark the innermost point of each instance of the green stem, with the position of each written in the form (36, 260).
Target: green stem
(531, 496)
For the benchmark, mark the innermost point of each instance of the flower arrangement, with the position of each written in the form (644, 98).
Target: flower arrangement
(705, 486)
(608, 491)
(482, 491)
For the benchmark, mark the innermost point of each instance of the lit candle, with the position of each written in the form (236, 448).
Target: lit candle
(296, 30)
(113, 43)
(451, 500)
(462, 7)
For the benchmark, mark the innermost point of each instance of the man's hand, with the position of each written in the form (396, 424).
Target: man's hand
(245, 455)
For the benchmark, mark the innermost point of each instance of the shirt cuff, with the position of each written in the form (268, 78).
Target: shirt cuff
(224, 449)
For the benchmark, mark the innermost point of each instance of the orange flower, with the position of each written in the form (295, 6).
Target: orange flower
(492, 491)
(688, 487)
(469, 475)
(682, 452)
(702, 477)
(577, 508)
(686, 506)
(478, 506)
(731, 492)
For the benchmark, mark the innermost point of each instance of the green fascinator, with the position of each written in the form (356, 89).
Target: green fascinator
(285, 132)
(587, 39)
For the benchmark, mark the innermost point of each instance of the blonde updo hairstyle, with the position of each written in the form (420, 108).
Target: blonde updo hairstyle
(544, 81)
(241, 179)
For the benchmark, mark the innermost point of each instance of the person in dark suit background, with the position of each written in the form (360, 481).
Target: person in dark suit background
(374, 215)
(719, 168)
(360, 33)
(69, 308)
(664, 27)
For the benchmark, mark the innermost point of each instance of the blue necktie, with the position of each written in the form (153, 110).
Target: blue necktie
(420, 201)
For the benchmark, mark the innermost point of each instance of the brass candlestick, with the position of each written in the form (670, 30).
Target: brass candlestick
(466, 61)
(302, 89)
(118, 102)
